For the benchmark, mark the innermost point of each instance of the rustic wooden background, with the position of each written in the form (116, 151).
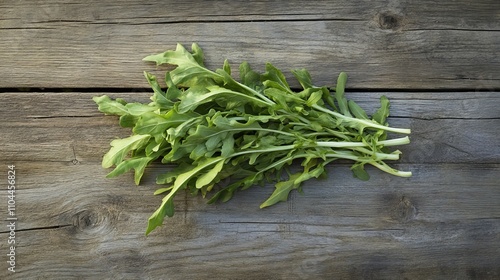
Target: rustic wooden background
(437, 61)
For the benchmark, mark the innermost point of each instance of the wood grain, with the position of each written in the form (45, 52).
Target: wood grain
(68, 127)
(436, 61)
(443, 217)
(87, 226)
(389, 45)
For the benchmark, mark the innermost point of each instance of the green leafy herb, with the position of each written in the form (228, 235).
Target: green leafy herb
(225, 135)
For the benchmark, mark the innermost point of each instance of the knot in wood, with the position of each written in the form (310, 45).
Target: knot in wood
(92, 220)
(404, 211)
(388, 20)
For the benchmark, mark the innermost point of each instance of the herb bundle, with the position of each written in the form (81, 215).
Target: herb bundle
(216, 129)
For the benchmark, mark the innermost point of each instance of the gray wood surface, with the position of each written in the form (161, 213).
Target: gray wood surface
(75, 223)
(387, 44)
(436, 61)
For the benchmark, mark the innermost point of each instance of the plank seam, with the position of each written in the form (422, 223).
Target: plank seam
(147, 89)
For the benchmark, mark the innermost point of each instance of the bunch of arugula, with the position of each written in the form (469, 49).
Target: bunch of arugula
(216, 129)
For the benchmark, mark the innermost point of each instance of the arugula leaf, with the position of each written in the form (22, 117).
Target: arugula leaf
(274, 78)
(193, 99)
(157, 125)
(159, 97)
(359, 172)
(128, 120)
(283, 188)
(110, 107)
(137, 163)
(282, 191)
(249, 77)
(339, 94)
(208, 177)
(357, 111)
(215, 132)
(121, 147)
(182, 179)
(188, 70)
(166, 209)
(303, 77)
(383, 112)
(314, 98)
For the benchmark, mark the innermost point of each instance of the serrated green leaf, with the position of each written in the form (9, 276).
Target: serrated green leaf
(303, 77)
(154, 147)
(211, 137)
(194, 97)
(357, 111)
(121, 147)
(208, 177)
(227, 67)
(165, 209)
(382, 113)
(156, 125)
(169, 177)
(128, 120)
(225, 194)
(273, 77)
(198, 55)
(138, 164)
(109, 106)
(198, 152)
(167, 203)
(177, 152)
(282, 191)
(162, 190)
(159, 97)
(283, 98)
(227, 146)
(138, 109)
(249, 77)
(188, 71)
(358, 171)
(339, 94)
(314, 98)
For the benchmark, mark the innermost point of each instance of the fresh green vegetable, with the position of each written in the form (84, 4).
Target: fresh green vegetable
(215, 129)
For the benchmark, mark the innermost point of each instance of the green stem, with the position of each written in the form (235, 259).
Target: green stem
(395, 142)
(220, 90)
(340, 144)
(387, 143)
(378, 156)
(250, 129)
(256, 93)
(367, 123)
(267, 150)
(384, 167)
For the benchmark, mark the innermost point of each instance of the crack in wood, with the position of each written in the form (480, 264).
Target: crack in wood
(40, 228)
(218, 20)
(57, 117)
(453, 29)
(26, 28)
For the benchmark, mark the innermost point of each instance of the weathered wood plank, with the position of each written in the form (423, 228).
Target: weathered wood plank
(87, 139)
(426, 13)
(389, 44)
(446, 127)
(442, 222)
(26, 106)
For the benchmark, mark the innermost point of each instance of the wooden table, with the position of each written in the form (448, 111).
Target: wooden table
(437, 61)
